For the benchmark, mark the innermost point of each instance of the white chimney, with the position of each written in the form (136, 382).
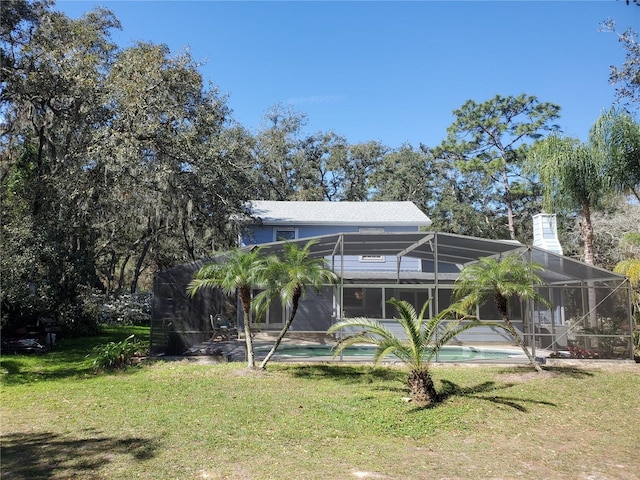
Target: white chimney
(545, 233)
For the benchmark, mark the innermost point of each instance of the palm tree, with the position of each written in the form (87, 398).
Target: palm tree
(579, 176)
(501, 279)
(424, 339)
(618, 135)
(288, 278)
(239, 271)
(572, 177)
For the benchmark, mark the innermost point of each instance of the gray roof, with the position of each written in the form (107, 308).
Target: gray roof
(339, 213)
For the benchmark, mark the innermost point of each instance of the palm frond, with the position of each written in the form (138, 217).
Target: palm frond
(410, 321)
(457, 327)
(198, 284)
(367, 324)
(509, 276)
(260, 304)
(391, 346)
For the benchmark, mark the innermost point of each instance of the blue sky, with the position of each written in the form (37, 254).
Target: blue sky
(388, 71)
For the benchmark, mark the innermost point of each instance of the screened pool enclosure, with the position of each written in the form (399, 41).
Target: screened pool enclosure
(589, 317)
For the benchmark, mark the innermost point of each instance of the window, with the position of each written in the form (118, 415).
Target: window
(372, 258)
(362, 302)
(284, 234)
(415, 297)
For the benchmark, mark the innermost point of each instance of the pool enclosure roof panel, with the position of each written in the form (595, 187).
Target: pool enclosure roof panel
(447, 248)
(560, 270)
(450, 248)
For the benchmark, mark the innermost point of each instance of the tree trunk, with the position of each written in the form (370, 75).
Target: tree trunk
(294, 308)
(508, 200)
(586, 230)
(111, 273)
(520, 342)
(421, 387)
(188, 245)
(501, 304)
(245, 299)
(122, 272)
(38, 186)
(138, 269)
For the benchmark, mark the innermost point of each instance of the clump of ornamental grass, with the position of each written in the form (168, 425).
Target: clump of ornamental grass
(116, 355)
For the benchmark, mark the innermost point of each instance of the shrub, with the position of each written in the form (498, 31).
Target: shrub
(116, 355)
(125, 309)
(576, 351)
(77, 322)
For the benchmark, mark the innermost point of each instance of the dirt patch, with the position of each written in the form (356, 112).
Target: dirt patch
(559, 368)
(607, 365)
(526, 376)
(245, 372)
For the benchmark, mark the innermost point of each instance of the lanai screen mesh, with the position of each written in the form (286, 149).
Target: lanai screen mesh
(590, 316)
(180, 322)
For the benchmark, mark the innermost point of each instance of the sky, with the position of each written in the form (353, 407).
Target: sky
(386, 71)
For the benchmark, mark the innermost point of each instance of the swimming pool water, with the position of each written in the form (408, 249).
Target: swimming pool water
(449, 353)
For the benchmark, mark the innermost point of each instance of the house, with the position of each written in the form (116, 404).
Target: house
(276, 222)
(384, 250)
(288, 221)
(379, 250)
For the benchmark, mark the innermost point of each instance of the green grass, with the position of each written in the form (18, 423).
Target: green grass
(184, 420)
(68, 358)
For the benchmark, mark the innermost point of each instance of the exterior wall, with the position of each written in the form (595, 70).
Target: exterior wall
(371, 300)
(258, 234)
(314, 313)
(389, 264)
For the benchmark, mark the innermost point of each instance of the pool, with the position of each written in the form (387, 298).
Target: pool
(448, 353)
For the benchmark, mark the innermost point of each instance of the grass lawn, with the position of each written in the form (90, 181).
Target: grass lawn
(186, 420)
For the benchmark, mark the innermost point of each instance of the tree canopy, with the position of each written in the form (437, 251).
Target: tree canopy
(491, 139)
(118, 162)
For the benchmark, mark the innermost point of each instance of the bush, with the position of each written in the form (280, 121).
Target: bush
(77, 322)
(125, 309)
(116, 355)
